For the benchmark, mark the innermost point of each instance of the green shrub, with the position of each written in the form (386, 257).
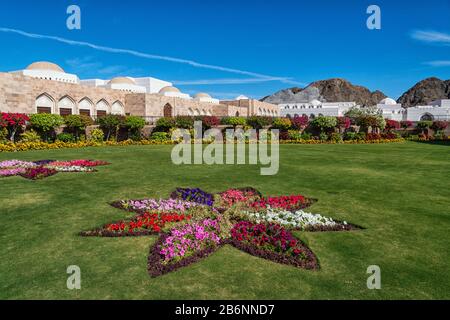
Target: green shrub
(324, 123)
(323, 136)
(165, 124)
(111, 124)
(282, 124)
(45, 123)
(294, 135)
(350, 136)
(134, 125)
(424, 125)
(259, 122)
(306, 136)
(361, 136)
(97, 135)
(66, 137)
(77, 123)
(3, 135)
(336, 137)
(160, 136)
(184, 122)
(30, 136)
(234, 121)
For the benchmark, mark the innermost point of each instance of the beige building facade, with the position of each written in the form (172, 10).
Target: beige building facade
(45, 88)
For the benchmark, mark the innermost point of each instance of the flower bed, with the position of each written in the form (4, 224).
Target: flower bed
(148, 223)
(193, 195)
(194, 229)
(145, 205)
(294, 202)
(272, 242)
(298, 220)
(27, 146)
(38, 173)
(45, 168)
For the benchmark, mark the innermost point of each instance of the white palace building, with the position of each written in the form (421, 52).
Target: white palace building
(437, 110)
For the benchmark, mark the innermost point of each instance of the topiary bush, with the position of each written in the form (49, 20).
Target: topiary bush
(160, 136)
(234, 121)
(184, 122)
(77, 124)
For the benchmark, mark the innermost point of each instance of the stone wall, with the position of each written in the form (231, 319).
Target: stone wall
(19, 93)
(254, 107)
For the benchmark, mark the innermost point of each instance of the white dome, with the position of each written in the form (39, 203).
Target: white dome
(169, 89)
(241, 97)
(315, 102)
(202, 95)
(122, 80)
(44, 65)
(388, 101)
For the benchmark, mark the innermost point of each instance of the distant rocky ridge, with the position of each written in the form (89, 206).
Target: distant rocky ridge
(425, 92)
(341, 90)
(332, 90)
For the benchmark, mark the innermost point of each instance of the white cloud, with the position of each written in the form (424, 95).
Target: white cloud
(431, 36)
(226, 81)
(143, 55)
(438, 63)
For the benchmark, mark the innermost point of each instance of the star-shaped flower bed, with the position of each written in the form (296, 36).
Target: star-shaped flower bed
(193, 224)
(45, 168)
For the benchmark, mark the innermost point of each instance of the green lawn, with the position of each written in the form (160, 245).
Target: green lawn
(398, 192)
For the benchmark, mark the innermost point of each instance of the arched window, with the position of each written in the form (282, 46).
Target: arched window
(117, 108)
(237, 114)
(45, 104)
(312, 116)
(66, 106)
(86, 107)
(102, 108)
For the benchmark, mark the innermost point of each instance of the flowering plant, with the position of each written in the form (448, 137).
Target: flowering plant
(233, 196)
(271, 237)
(299, 220)
(78, 163)
(188, 239)
(194, 195)
(38, 173)
(156, 205)
(293, 202)
(13, 121)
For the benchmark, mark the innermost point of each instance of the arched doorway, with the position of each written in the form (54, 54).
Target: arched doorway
(168, 111)
(237, 114)
(427, 117)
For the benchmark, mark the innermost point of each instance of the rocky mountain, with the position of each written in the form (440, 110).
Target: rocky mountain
(426, 91)
(332, 90)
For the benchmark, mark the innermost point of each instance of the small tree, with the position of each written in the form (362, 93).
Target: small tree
(392, 125)
(110, 124)
(45, 123)
(184, 122)
(282, 124)
(13, 122)
(134, 125)
(300, 122)
(77, 123)
(324, 123)
(424, 125)
(165, 124)
(439, 126)
(258, 123)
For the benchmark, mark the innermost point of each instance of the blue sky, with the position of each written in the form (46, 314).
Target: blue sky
(239, 47)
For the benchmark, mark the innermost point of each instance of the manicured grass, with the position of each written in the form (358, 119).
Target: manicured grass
(399, 192)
